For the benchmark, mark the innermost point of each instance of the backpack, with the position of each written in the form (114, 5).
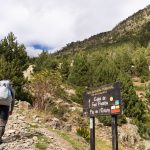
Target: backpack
(5, 91)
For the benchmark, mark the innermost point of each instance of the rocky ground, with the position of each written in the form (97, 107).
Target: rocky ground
(24, 134)
(26, 131)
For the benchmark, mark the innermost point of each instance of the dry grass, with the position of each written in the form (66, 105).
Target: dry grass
(107, 145)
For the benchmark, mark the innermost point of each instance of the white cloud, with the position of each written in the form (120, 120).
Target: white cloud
(32, 52)
(55, 23)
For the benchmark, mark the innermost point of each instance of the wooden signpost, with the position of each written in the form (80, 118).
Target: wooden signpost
(105, 100)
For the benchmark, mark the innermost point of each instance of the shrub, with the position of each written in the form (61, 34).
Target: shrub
(60, 93)
(78, 97)
(42, 143)
(106, 120)
(58, 111)
(79, 73)
(44, 86)
(147, 93)
(144, 78)
(144, 130)
(84, 132)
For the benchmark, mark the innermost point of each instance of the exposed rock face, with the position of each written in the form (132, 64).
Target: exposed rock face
(23, 105)
(28, 73)
(147, 145)
(128, 135)
(55, 123)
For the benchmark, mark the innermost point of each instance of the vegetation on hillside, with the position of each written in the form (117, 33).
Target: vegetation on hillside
(97, 68)
(117, 55)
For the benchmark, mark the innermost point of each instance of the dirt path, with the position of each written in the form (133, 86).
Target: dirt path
(57, 142)
(21, 135)
(147, 144)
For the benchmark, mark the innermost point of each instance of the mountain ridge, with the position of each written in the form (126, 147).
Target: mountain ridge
(125, 30)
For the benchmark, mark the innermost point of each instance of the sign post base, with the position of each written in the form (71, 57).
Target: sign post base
(114, 133)
(92, 133)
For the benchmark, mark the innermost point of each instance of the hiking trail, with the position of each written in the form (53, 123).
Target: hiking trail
(23, 134)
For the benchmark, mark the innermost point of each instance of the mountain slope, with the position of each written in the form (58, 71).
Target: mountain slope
(28, 130)
(124, 31)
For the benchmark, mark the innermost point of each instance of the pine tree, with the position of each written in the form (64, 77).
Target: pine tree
(14, 61)
(105, 73)
(79, 74)
(133, 106)
(46, 61)
(64, 69)
(144, 35)
(123, 61)
(141, 65)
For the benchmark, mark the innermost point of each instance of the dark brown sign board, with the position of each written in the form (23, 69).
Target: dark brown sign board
(104, 100)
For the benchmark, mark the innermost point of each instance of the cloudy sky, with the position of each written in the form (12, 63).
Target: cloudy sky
(51, 24)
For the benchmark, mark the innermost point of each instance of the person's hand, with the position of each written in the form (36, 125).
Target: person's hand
(10, 113)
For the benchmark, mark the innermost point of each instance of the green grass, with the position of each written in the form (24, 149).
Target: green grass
(103, 145)
(42, 142)
(136, 80)
(80, 144)
(139, 88)
(20, 111)
(77, 144)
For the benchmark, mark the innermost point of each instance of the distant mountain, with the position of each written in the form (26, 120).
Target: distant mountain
(126, 30)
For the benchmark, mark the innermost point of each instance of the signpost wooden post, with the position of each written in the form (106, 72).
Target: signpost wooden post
(92, 133)
(105, 100)
(114, 133)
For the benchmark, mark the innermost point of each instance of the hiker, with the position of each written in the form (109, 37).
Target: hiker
(7, 99)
